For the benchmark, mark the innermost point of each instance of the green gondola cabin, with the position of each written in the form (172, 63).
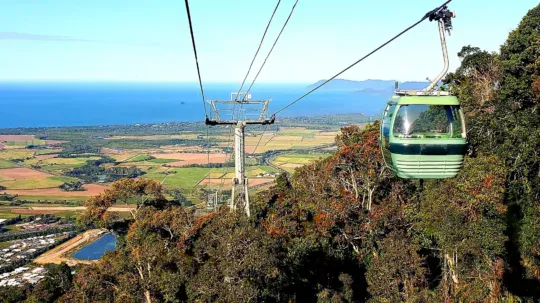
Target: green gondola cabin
(423, 136)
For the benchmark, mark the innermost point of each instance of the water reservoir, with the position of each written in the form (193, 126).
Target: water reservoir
(96, 249)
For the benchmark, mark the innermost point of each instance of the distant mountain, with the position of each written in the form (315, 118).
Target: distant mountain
(370, 86)
(351, 85)
(379, 92)
(413, 85)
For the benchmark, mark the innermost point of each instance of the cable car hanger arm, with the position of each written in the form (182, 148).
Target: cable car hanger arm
(426, 16)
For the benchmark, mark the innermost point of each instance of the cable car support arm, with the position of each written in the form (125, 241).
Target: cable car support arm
(444, 18)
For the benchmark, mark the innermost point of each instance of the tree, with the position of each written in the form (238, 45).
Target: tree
(97, 213)
(247, 267)
(144, 192)
(13, 294)
(499, 93)
(463, 220)
(360, 165)
(395, 273)
(178, 197)
(520, 62)
(57, 281)
(72, 186)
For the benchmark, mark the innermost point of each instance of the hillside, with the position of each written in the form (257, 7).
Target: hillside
(343, 228)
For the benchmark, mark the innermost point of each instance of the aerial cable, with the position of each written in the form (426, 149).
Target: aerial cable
(426, 16)
(196, 57)
(258, 49)
(275, 42)
(259, 142)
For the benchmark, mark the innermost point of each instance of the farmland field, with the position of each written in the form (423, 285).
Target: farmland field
(16, 138)
(6, 164)
(179, 156)
(185, 159)
(289, 162)
(16, 154)
(91, 190)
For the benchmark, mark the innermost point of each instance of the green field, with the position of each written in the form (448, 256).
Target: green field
(31, 183)
(182, 178)
(16, 154)
(22, 144)
(67, 162)
(49, 182)
(6, 164)
(46, 152)
(159, 161)
(140, 158)
(5, 213)
(55, 165)
(290, 162)
(299, 158)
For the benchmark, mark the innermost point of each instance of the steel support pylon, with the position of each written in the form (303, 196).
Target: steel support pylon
(240, 193)
(240, 111)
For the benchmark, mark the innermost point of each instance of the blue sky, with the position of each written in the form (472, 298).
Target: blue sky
(148, 40)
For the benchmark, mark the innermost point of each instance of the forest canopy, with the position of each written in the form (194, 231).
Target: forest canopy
(343, 228)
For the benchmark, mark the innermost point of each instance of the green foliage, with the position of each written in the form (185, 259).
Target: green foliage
(76, 149)
(6, 164)
(178, 197)
(72, 186)
(395, 273)
(342, 229)
(500, 94)
(141, 158)
(57, 281)
(94, 172)
(12, 294)
(467, 213)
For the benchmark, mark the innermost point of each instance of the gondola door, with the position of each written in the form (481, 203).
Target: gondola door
(386, 129)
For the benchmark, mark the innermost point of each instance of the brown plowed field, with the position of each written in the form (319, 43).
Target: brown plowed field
(16, 138)
(191, 158)
(250, 149)
(22, 173)
(91, 190)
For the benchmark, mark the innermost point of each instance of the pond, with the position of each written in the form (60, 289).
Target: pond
(96, 249)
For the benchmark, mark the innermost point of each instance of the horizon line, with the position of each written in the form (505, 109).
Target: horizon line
(184, 82)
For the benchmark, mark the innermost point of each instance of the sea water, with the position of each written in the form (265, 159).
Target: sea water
(45, 104)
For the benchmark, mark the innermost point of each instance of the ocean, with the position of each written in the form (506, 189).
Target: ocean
(49, 104)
